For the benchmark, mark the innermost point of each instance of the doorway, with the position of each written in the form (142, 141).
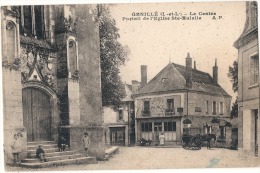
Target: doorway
(117, 136)
(37, 114)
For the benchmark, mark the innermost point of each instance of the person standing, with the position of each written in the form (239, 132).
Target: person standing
(16, 147)
(161, 139)
(86, 142)
(156, 138)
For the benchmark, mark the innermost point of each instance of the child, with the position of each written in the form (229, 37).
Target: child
(62, 144)
(16, 149)
(86, 142)
(41, 154)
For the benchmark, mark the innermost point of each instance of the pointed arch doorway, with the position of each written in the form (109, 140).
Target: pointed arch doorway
(40, 116)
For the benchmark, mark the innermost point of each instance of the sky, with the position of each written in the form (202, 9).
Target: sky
(156, 43)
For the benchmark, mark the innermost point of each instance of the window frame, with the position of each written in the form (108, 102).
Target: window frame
(214, 107)
(8, 30)
(254, 75)
(120, 115)
(146, 106)
(223, 133)
(207, 106)
(146, 127)
(198, 109)
(170, 104)
(169, 126)
(221, 108)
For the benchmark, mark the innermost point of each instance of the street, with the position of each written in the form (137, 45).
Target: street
(159, 158)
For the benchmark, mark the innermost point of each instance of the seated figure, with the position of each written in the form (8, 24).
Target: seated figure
(41, 154)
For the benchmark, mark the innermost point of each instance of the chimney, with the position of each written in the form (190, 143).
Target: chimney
(143, 75)
(195, 65)
(188, 71)
(215, 73)
(135, 86)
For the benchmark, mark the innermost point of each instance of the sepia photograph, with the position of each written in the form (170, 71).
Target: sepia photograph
(129, 86)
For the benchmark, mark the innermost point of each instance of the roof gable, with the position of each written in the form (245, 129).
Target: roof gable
(172, 77)
(167, 79)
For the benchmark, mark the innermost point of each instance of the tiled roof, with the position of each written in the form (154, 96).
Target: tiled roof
(167, 79)
(33, 41)
(197, 76)
(172, 77)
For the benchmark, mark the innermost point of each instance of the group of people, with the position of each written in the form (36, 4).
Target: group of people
(40, 153)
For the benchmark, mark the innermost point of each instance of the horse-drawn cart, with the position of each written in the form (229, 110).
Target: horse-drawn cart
(194, 142)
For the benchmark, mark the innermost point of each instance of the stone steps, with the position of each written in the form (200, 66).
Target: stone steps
(53, 154)
(111, 151)
(46, 146)
(54, 157)
(79, 160)
(40, 142)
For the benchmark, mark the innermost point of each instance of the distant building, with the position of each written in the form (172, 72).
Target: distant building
(178, 95)
(248, 83)
(51, 77)
(119, 122)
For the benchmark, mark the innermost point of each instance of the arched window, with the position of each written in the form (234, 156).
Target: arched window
(72, 57)
(39, 20)
(27, 20)
(10, 41)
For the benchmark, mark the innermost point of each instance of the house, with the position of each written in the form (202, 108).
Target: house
(51, 77)
(248, 84)
(181, 99)
(119, 122)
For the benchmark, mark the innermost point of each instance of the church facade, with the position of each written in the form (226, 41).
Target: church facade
(51, 76)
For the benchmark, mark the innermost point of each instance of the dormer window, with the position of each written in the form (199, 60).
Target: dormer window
(163, 80)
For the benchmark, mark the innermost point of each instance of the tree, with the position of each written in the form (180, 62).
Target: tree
(233, 75)
(234, 110)
(112, 55)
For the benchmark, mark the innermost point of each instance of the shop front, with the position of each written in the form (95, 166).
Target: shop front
(150, 129)
(117, 136)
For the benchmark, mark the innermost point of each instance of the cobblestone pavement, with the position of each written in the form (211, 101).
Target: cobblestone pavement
(170, 158)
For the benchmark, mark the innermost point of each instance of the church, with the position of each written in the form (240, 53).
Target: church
(51, 77)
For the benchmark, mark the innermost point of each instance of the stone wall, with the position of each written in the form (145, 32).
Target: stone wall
(89, 84)
(13, 113)
(199, 100)
(248, 99)
(73, 94)
(158, 104)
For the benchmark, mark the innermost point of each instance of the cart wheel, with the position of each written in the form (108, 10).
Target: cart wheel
(185, 146)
